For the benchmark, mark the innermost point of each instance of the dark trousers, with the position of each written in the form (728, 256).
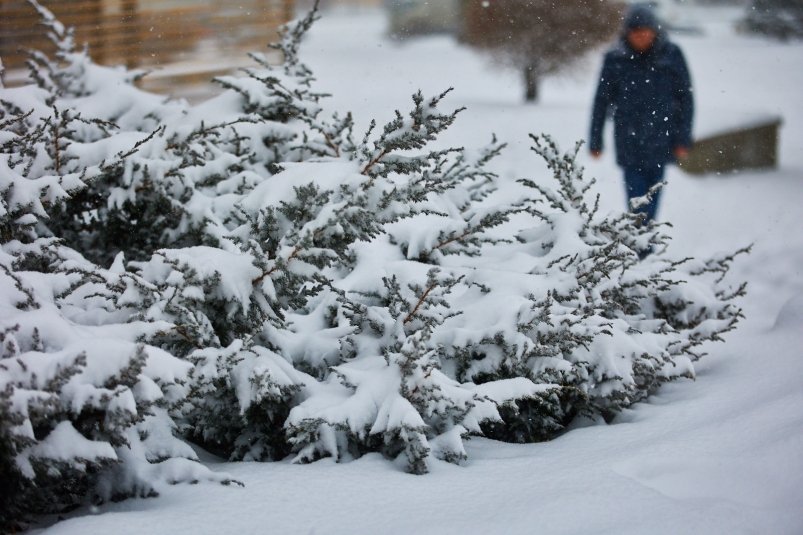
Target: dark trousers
(638, 182)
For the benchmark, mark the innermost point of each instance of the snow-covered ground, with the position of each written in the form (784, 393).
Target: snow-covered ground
(722, 454)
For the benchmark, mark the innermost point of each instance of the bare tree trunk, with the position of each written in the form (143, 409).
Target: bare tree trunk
(531, 83)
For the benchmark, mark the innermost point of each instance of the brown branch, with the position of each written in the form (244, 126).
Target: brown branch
(182, 332)
(331, 143)
(444, 243)
(375, 161)
(295, 253)
(420, 302)
(57, 149)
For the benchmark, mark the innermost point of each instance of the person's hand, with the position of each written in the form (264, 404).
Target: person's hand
(596, 154)
(681, 153)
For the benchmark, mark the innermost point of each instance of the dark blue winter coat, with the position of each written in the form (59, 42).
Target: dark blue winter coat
(650, 98)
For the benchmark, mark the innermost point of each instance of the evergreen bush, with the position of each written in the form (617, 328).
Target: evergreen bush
(248, 275)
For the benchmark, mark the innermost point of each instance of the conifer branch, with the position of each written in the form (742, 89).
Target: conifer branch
(365, 170)
(453, 239)
(420, 302)
(56, 145)
(293, 254)
(122, 155)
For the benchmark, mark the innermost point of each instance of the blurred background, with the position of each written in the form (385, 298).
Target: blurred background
(503, 53)
(186, 42)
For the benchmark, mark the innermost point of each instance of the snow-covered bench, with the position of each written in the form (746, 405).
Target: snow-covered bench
(729, 142)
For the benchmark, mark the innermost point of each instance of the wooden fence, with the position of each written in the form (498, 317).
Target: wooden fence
(148, 33)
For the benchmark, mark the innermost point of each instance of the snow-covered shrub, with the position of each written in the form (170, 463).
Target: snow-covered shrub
(268, 285)
(84, 404)
(191, 163)
(604, 323)
(458, 329)
(246, 306)
(94, 119)
(388, 393)
(166, 184)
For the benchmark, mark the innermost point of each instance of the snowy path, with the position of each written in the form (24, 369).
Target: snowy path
(722, 454)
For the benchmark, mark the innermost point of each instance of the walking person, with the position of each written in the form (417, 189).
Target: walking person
(645, 86)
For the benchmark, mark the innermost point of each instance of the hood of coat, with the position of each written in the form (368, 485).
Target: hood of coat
(642, 16)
